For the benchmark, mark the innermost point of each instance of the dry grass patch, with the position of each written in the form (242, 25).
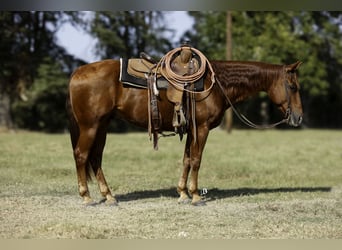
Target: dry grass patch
(270, 184)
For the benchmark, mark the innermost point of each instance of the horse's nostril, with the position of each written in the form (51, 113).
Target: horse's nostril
(300, 119)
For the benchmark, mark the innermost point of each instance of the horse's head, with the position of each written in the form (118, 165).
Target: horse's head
(284, 92)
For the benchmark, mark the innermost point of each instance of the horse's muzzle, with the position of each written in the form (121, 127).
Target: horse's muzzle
(295, 119)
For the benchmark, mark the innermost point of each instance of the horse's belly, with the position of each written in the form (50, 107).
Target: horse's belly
(134, 109)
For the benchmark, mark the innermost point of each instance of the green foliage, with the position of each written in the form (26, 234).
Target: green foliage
(127, 33)
(45, 108)
(208, 34)
(27, 38)
(27, 42)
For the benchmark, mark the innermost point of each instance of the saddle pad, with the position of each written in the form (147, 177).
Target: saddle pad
(129, 80)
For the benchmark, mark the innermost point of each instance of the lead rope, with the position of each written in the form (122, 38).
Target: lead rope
(248, 122)
(175, 79)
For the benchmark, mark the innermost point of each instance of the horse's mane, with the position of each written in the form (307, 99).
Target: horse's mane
(246, 76)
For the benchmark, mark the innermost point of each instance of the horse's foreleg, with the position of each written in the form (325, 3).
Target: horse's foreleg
(192, 161)
(196, 150)
(104, 189)
(182, 184)
(95, 159)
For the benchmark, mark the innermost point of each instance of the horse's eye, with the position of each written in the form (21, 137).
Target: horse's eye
(293, 87)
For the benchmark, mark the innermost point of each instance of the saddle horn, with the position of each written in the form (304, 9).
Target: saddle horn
(147, 57)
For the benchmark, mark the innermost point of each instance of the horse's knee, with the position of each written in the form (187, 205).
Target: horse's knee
(195, 164)
(80, 157)
(186, 162)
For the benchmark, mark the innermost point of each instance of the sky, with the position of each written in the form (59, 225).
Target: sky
(81, 44)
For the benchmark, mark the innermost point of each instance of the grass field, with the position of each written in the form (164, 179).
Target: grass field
(261, 184)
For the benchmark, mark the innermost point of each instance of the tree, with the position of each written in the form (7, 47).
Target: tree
(228, 116)
(127, 33)
(44, 109)
(209, 33)
(27, 39)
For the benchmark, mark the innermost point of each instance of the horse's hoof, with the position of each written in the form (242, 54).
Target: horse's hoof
(89, 203)
(199, 203)
(184, 201)
(111, 203)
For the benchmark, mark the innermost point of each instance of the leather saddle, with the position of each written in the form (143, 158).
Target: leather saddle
(145, 73)
(135, 71)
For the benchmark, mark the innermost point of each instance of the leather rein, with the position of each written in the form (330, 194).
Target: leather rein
(253, 125)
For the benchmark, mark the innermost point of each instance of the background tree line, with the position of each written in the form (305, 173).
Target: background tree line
(284, 37)
(35, 69)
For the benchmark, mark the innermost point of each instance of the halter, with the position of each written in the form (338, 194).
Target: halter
(253, 125)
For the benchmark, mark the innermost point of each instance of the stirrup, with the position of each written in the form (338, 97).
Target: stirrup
(178, 118)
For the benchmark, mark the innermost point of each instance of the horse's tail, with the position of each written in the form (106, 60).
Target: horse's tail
(73, 127)
(75, 132)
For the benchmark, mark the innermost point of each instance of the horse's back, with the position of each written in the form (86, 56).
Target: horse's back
(96, 70)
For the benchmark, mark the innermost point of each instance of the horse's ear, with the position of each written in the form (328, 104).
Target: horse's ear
(293, 67)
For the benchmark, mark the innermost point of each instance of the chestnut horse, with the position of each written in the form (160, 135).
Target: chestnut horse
(96, 95)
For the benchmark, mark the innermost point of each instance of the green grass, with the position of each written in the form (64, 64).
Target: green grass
(261, 184)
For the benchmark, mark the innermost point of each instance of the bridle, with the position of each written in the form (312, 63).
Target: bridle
(244, 119)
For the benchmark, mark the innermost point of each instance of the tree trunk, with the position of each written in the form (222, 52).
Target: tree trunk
(5, 111)
(228, 117)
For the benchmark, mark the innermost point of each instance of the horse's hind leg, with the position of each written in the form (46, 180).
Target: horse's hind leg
(81, 153)
(95, 160)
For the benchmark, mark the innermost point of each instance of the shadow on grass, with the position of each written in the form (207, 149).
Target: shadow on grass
(215, 193)
(146, 194)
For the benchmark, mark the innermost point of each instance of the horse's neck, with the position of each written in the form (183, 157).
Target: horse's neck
(244, 79)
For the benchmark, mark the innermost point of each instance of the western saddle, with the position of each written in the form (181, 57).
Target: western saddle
(177, 71)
